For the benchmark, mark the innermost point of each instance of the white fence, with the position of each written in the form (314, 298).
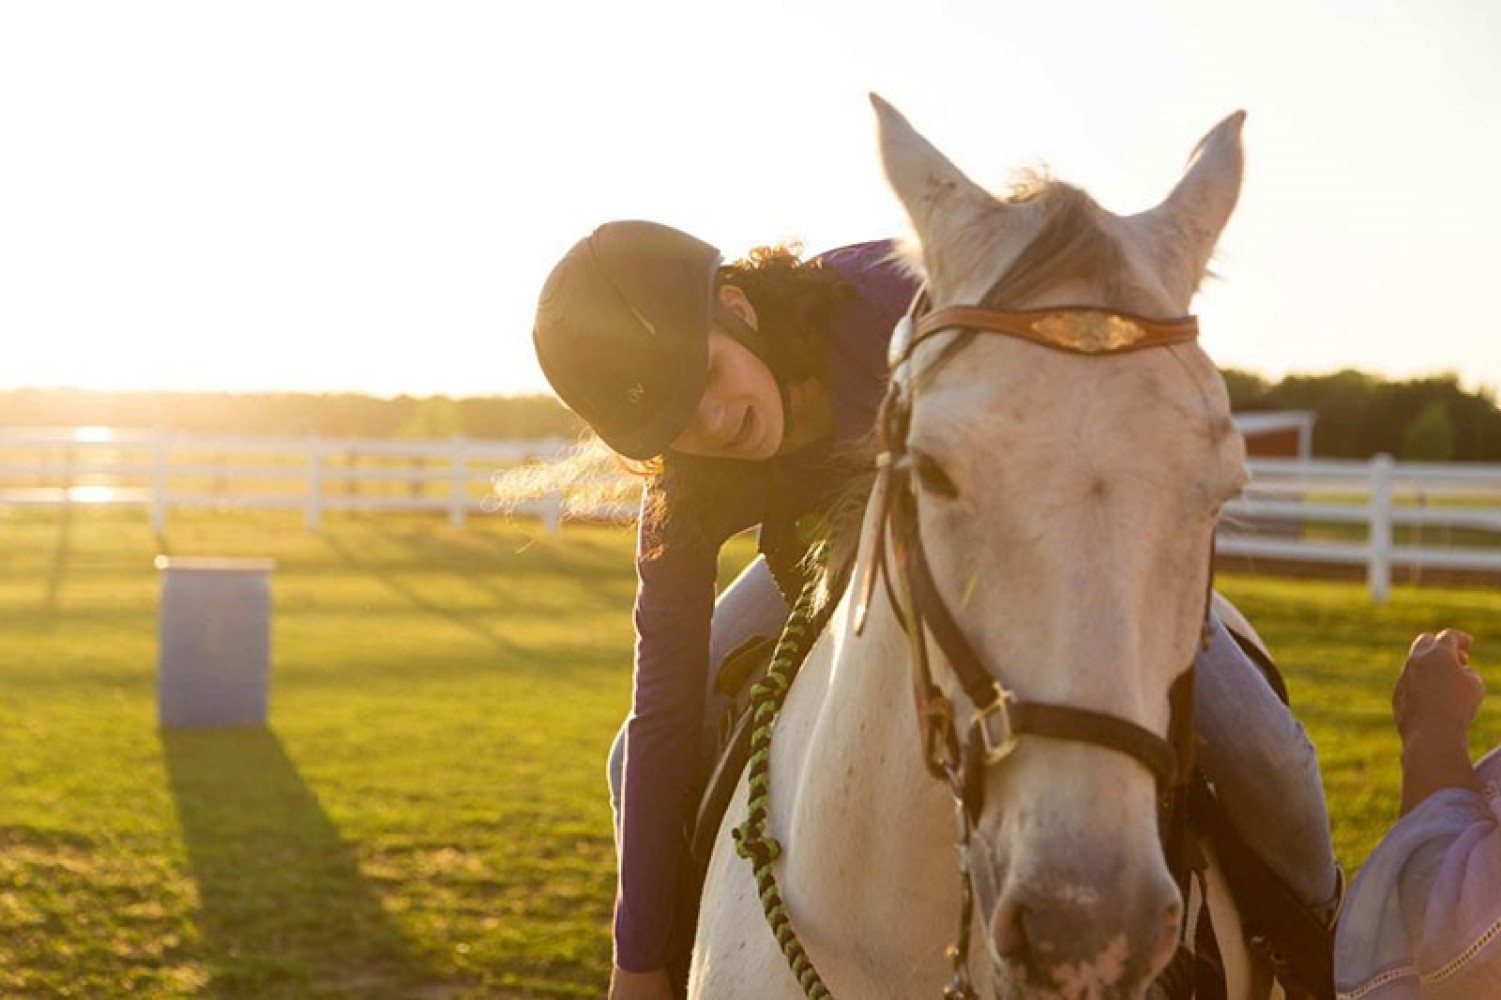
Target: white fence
(1378, 514)
(93, 465)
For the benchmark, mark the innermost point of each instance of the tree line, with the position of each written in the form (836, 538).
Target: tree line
(1430, 419)
(1358, 415)
(293, 414)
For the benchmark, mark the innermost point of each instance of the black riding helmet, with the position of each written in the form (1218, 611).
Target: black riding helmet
(622, 332)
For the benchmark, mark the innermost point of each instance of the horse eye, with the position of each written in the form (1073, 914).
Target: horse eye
(932, 477)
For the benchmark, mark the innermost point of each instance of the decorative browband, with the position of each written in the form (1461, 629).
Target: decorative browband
(1080, 330)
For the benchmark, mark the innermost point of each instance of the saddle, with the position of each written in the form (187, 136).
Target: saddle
(743, 667)
(1295, 944)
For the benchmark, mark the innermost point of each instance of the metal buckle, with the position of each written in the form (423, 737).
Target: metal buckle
(994, 723)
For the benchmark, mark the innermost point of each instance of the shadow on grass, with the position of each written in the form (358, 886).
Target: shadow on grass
(417, 600)
(494, 565)
(283, 907)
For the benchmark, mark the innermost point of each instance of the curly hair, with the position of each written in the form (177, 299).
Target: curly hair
(794, 300)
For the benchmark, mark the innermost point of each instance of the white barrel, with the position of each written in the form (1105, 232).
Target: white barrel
(214, 663)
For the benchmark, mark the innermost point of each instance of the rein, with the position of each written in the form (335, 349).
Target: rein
(1001, 717)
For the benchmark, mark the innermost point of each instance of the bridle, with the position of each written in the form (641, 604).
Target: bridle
(1001, 717)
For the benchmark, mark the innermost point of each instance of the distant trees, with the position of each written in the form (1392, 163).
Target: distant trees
(342, 415)
(1429, 436)
(1428, 419)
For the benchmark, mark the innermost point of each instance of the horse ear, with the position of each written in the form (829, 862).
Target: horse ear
(1186, 226)
(941, 202)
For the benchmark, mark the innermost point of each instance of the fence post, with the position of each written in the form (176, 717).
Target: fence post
(68, 462)
(314, 513)
(552, 512)
(458, 497)
(351, 478)
(159, 484)
(1379, 567)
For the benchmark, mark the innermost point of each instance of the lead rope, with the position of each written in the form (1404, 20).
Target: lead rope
(959, 987)
(804, 625)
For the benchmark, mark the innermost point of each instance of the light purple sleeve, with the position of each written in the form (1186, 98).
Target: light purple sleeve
(1423, 918)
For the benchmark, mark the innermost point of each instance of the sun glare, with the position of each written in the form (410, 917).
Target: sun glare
(93, 494)
(379, 217)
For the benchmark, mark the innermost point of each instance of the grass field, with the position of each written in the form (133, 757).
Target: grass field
(425, 815)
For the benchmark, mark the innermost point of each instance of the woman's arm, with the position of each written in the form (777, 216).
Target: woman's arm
(627, 985)
(677, 564)
(674, 607)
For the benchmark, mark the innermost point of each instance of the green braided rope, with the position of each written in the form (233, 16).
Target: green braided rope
(804, 625)
(810, 614)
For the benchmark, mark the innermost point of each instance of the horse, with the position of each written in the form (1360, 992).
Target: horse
(1060, 487)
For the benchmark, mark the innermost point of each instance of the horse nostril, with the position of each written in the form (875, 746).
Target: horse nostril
(1167, 940)
(1036, 937)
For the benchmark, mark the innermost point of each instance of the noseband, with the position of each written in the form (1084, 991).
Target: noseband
(1001, 717)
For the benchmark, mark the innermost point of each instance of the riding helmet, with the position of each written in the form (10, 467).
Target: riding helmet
(622, 332)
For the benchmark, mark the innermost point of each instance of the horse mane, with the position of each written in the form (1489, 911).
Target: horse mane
(830, 559)
(1071, 245)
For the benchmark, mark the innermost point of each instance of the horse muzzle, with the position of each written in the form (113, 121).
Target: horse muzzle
(1074, 936)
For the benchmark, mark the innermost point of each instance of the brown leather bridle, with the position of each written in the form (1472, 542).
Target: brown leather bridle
(1001, 716)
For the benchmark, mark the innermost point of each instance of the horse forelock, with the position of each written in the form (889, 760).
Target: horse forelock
(1072, 245)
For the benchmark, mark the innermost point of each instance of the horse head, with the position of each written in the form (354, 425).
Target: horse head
(1065, 501)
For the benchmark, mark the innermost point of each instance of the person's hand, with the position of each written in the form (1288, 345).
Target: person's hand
(1437, 694)
(1434, 702)
(653, 985)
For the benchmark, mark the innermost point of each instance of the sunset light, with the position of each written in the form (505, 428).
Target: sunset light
(364, 197)
(1015, 484)
(93, 494)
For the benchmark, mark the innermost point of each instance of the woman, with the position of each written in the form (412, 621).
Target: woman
(743, 385)
(1423, 918)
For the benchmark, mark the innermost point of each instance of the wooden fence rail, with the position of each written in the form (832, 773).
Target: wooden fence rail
(315, 475)
(1378, 514)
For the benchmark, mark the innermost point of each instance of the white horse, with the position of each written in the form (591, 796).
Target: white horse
(1067, 505)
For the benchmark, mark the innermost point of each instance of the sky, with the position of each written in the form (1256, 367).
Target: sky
(366, 196)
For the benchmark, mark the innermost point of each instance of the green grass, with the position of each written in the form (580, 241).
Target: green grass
(425, 815)
(425, 810)
(1341, 655)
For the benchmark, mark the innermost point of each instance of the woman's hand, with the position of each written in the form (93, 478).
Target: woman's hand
(653, 985)
(1437, 693)
(1434, 702)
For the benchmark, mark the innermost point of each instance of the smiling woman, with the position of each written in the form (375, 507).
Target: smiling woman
(738, 389)
(740, 413)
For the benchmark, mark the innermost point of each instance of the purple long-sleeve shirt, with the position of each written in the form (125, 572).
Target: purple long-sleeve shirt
(676, 564)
